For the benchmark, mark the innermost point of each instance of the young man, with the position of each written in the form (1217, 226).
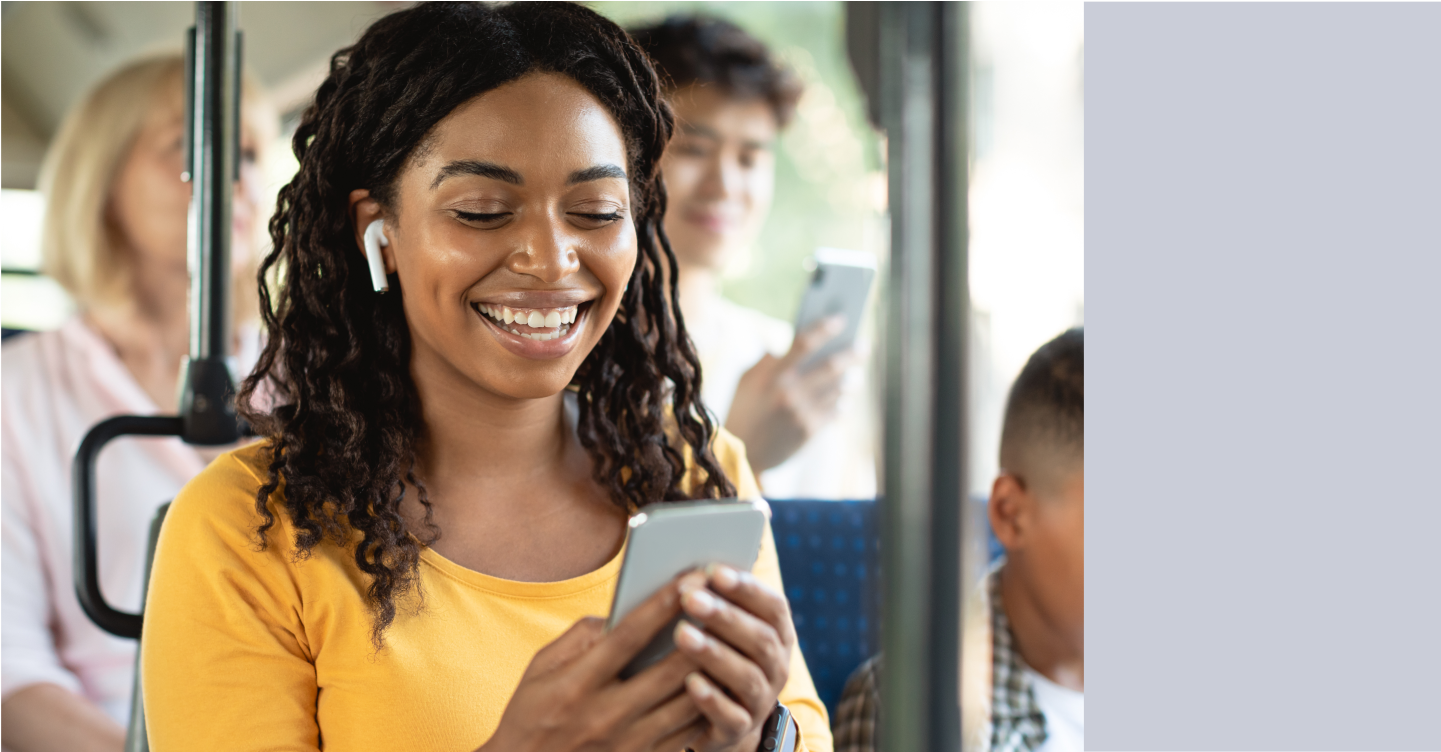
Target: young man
(1036, 593)
(731, 100)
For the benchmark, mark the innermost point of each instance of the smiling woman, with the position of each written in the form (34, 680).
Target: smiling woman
(441, 498)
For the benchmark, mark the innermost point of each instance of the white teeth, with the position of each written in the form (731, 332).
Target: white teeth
(556, 318)
(543, 336)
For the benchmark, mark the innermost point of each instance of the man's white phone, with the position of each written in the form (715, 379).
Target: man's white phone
(670, 538)
(840, 284)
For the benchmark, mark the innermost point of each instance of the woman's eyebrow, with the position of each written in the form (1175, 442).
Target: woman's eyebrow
(598, 172)
(481, 169)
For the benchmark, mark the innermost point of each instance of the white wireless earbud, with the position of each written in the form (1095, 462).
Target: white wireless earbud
(374, 241)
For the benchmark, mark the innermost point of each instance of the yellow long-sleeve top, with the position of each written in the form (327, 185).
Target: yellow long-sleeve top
(250, 649)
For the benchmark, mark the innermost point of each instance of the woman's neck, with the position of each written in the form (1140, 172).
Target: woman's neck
(518, 438)
(510, 486)
(150, 331)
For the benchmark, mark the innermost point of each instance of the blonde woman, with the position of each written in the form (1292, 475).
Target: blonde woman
(115, 237)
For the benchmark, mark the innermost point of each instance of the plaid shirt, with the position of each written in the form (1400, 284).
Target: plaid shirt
(1016, 722)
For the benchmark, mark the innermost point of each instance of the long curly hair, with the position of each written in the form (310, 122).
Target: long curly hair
(343, 418)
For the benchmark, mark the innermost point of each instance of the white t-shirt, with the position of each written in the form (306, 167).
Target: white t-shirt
(1065, 711)
(839, 460)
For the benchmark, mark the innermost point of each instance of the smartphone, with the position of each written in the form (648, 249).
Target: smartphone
(840, 284)
(670, 538)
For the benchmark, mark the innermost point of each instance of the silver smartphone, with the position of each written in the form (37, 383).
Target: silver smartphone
(840, 284)
(670, 538)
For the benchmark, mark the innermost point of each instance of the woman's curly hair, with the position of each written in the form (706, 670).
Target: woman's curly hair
(345, 419)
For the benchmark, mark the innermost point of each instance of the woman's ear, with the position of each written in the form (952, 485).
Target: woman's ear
(1010, 510)
(365, 210)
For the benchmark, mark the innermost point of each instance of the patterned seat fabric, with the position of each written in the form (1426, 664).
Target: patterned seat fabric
(829, 551)
(830, 561)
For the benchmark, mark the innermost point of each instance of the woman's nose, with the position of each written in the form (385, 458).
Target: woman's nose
(544, 251)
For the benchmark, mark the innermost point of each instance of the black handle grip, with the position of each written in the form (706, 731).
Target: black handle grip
(87, 565)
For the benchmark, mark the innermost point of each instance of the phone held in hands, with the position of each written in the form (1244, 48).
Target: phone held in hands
(669, 538)
(840, 284)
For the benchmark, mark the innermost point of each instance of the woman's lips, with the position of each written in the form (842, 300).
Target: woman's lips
(536, 333)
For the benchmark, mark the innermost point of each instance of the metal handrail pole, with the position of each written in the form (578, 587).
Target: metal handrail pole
(207, 407)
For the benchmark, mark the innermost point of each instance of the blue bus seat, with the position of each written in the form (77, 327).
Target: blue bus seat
(829, 555)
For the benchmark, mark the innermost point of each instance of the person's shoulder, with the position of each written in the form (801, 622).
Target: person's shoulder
(221, 499)
(44, 358)
(730, 452)
(20, 359)
(854, 725)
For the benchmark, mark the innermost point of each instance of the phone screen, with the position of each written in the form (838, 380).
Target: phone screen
(670, 538)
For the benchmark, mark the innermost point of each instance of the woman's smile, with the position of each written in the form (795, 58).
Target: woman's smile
(531, 326)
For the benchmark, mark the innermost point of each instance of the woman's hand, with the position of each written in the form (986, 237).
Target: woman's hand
(744, 651)
(571, 698)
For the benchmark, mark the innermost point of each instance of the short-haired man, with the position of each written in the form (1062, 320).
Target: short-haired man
(1036, 593)
(731, 99)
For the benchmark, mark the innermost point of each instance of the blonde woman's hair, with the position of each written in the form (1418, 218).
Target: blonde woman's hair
(79, 246)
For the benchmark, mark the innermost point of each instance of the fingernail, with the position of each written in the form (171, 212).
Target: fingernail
(725, 577)
(688, 636)
(698, 686)
(700, 603)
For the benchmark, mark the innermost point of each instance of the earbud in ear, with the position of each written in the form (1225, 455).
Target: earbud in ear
(374, 241)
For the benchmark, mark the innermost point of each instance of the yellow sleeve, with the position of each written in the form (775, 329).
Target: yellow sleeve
(224, 658)
(799, 694)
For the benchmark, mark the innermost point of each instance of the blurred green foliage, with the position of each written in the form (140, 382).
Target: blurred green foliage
(829, 187)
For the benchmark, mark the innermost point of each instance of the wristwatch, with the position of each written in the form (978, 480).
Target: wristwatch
(779, 732)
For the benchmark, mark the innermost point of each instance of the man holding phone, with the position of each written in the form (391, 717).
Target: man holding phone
(731, 99)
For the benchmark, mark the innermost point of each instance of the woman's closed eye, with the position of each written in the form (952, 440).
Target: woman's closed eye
(481, 218)
(595, 217)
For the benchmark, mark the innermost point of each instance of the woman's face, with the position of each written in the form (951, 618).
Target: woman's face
(719, 174)
(149, 203)
(512, 238)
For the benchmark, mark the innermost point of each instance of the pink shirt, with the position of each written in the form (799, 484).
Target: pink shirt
(55, 386)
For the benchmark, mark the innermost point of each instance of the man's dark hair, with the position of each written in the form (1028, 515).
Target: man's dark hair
(1045, 429)
(690, 49)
